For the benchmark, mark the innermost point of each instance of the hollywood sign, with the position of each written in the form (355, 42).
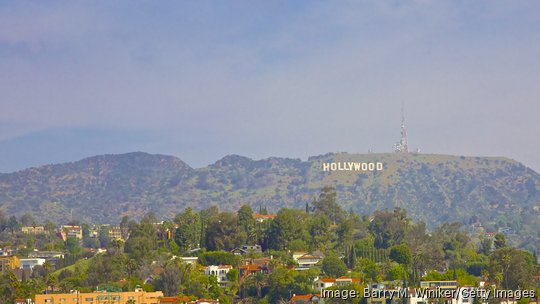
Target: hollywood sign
(352, 166)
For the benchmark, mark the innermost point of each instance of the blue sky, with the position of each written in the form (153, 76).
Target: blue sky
(203, 79)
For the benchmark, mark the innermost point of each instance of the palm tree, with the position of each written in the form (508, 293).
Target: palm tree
(257, 280)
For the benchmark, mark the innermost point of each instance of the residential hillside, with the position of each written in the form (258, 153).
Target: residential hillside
(494, 193)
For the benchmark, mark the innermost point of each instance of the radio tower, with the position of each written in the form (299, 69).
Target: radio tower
(404, 140)
(403, 145)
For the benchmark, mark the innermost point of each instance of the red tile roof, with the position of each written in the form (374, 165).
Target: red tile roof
(264, 216)
(251, 267)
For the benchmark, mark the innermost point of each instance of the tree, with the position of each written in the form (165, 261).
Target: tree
(319, 231)
(219, 258)
(213, 287)
(13, 224)
(397, 272)
(142, 240)
(104, 237)
(345, 233)
(232, 277)
(485, 246)
(257, 280)
(139, 248)
(73, 245)
(3, 220)
(333, 266)
(401, 254)
(389, 228)
(170, 279)
(104, 269)
(27, 219)
(500, 241)
(247, 222)
(368, 269)
(187, 234)
(8, 283)
(327, 205)
(223, 232)
(124, 227)
(511, 267)
(288, 225)
(279, 282)
(182, 238)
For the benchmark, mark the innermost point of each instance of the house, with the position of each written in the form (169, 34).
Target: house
(323, 283)
(246, 270)
(100, 297)
(33, 229)
(51, 256)
(220, 271)
(308, 298)
(439, 284)
(46, 254)
(67, 231)
(30, 263)
(115, 233)
(306, 261)
(189, 260)
(263, 217)
(415, 298)
(263, 263)
(6, 252)
(298, 254)
(245, 249)
(344, 280)
(259, 261)
(175, 300)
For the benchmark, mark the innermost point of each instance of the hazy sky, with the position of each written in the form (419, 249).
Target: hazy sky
(203, 79)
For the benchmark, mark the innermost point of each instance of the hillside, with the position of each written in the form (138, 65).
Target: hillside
(500, 192)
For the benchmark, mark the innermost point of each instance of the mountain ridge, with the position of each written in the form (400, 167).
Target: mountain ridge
(433, 188)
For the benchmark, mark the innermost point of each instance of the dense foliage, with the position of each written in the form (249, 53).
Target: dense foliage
(384, 247)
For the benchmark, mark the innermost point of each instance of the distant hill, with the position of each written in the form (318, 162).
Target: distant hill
(497, 192)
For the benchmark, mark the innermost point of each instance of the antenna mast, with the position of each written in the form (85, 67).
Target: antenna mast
(404, 140)
(403, 144)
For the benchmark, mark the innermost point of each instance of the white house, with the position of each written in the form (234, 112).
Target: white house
(31, 263)
(323, 283)
(220, 271)
(189, 260)
(307, 260)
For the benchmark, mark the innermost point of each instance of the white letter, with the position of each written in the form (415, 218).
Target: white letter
(366, 292)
